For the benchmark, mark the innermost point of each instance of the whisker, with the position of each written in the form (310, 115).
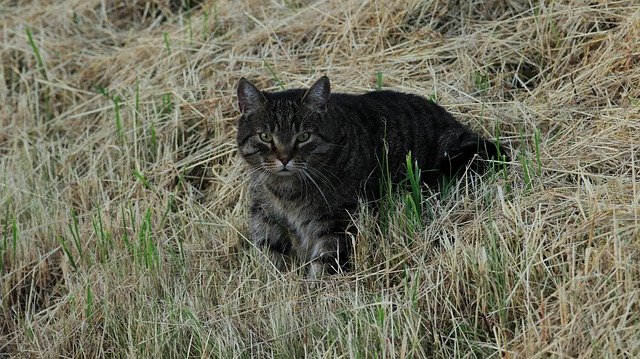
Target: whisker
(322, 178)
(318, 187)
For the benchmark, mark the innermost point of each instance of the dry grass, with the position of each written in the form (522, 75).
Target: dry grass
(123, 214)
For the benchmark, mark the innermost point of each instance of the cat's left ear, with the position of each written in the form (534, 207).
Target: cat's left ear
(317, 96)
(250, 99)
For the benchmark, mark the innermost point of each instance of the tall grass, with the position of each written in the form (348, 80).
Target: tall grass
(123, 203)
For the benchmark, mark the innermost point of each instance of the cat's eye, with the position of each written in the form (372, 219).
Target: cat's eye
(303, 137)
(265, 137)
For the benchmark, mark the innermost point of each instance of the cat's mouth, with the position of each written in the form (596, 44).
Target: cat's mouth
(284, 172)
(285, 168)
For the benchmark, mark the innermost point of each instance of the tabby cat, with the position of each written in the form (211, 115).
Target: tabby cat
(312, 154)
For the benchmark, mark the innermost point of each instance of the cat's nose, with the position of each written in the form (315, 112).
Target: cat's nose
(284, 160)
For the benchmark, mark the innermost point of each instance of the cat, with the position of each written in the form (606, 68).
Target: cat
(313, 154)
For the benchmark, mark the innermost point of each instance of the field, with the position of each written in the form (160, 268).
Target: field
(123, 211)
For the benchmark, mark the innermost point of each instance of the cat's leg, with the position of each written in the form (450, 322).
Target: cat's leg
(328, 253)
(269, 235)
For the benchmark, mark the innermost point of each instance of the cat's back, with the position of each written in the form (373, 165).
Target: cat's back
(391, 113)
(378, 100)
(403, 122)
(392, 104)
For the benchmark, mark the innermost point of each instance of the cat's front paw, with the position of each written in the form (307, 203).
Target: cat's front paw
(316, 270)
(278, 260)
(325, 264)
(269, 258)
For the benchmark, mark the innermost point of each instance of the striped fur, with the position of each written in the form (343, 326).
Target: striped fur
(304, 189)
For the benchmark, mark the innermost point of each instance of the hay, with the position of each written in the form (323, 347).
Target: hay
(123, 211)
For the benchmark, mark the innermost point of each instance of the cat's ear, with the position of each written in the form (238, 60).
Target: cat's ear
(250, 99)
(317, 95)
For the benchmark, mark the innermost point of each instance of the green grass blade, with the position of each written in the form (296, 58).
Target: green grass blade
(167, 45)
(65, 248)
(274, 75)
(75, 233)
(36, 52)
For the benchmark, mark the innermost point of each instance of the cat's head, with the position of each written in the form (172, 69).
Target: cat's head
(284, 133)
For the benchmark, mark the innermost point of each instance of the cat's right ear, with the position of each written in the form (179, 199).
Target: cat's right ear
(250, 99)
(317, 96)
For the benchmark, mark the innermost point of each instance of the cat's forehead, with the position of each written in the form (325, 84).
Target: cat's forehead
(285, 115)
(284, 106)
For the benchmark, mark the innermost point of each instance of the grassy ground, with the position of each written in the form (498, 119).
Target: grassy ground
(123, 203)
